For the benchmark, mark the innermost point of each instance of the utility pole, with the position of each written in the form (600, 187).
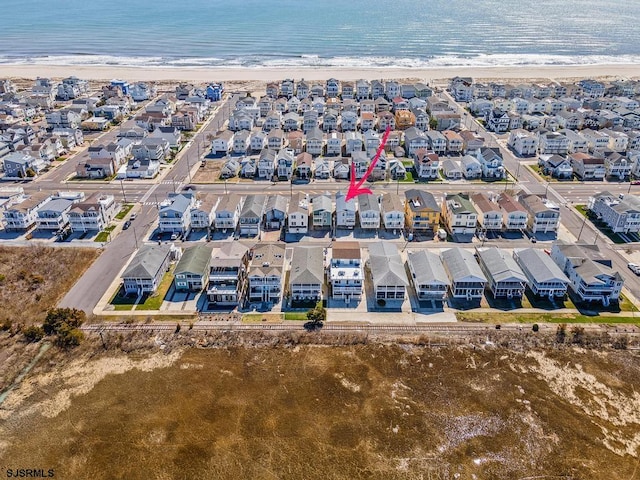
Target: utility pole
(188, 168)
(581, 228)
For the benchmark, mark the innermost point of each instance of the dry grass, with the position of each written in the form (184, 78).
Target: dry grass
(210, 173)
(350, 412)
(35, 278)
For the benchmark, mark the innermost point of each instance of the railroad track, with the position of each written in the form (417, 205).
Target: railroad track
(458, 329)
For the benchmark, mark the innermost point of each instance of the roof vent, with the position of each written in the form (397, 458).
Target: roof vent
(265, 264)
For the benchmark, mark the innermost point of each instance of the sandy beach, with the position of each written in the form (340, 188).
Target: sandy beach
(199, 75)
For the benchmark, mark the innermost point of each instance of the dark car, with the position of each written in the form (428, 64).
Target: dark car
(126, 225)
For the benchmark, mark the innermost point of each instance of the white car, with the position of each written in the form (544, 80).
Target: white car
(635, 268)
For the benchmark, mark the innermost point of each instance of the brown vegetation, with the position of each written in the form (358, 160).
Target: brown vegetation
(265, 405)
(35, 278)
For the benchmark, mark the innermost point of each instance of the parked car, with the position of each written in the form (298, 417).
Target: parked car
(133, 216)
(635, 268)
(174, 236)
(126, 225)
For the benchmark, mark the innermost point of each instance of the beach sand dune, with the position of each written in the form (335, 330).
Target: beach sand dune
(432, 75)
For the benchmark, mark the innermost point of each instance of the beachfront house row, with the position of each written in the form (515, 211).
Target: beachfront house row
(489, 213)
(368, 211)
(298, 214)
(346, 272)
(544, 215)
(322, 212)
(387, 272)
(465, 276)
(227, 212)
(621, 215)
(93, 214)
(544, 277)
(174, 214)
(459, 215)
(428, 275)
(265, 273)
(514, 215)
(592, 276)
(505, 279)
(251, 215)
(192, 271)
(145, 271)
(306, 278)
(345, 211)
(422, 212)
(617, 166)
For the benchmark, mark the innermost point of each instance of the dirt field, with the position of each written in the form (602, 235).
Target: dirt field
(341, 412)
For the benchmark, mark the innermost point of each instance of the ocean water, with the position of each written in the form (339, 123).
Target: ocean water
(351, 33)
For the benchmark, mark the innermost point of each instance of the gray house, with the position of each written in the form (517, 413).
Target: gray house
(307, 274)
(275, 212)
(465, 275)
(322, 212)
(387, 270)
(544, 277)
(428, 275)
(193, 268)
(251, 215)
(505, 277)
(144, 273)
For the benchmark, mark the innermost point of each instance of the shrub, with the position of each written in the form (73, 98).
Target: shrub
(561, 333)
(317, 313)
(381, 302)
(535, 327)
(6, 325)
(65, 323)
(33, 333)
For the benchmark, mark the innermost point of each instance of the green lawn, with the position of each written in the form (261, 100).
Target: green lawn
(408, 178)
(120, 301)
(154, 302)
(583, 210)
(299, 316)
(496, 318)
(126, 208)
(103, 236)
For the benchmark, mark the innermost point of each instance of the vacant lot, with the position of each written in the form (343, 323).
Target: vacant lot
(33, 279)
(371, 412)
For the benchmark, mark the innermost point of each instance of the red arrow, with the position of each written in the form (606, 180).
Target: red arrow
(354, 187)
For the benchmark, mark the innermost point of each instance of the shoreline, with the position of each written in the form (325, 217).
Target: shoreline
(266, 74)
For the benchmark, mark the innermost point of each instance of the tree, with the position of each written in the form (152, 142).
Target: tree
(64, 323)
(57, 318)
(317, 314)
(31, 172)
(433, 123)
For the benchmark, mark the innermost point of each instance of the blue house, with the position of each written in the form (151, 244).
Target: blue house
(122, 84)
(214, 91)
